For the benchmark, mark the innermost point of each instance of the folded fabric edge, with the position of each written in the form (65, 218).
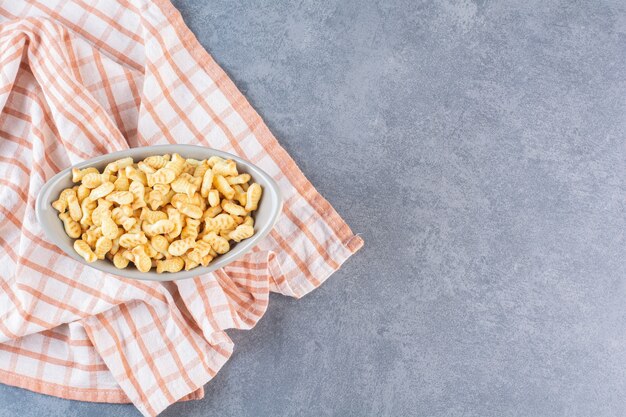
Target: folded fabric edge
(115, 395)
(94, 395)
(352, 245)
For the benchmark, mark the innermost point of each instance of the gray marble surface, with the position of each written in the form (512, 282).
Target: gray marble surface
(479, 148)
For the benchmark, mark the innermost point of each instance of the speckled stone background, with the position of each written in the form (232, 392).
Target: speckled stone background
(478, 147)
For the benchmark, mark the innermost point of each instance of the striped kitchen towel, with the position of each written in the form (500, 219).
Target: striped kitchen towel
(82, 78)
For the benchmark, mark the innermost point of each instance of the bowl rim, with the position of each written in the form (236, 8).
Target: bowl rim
(271, 191)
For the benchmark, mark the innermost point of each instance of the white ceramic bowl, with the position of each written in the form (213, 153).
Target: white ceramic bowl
(265, 217)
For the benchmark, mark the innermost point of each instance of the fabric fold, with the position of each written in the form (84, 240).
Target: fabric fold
(81, 78)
